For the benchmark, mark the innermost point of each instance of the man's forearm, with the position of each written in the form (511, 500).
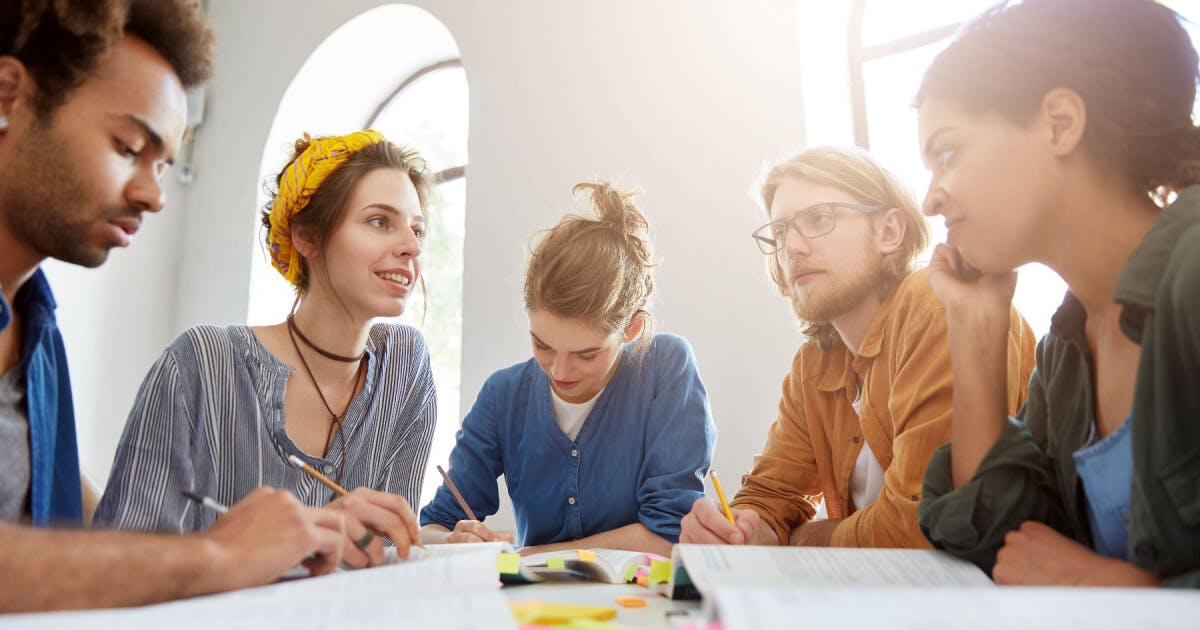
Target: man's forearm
(71, 569)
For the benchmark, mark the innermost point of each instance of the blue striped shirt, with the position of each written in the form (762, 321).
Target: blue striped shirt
(210, 418)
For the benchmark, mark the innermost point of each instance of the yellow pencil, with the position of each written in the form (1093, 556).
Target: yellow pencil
(721, 496)
(299, 463)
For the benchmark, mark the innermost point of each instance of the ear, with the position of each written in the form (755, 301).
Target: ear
(15, 85)
(304, 244)
(634, 329)
(890, 231)
(1065, 116)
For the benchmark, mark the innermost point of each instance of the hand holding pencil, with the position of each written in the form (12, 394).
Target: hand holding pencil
(371, 514)
(472, 529)
(715, 523)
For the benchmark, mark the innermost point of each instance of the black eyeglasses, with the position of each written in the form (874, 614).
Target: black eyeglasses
(812, 222)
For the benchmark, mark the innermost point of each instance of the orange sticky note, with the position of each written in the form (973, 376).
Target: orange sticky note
(629, 601)
(643, 580)
(586, 556)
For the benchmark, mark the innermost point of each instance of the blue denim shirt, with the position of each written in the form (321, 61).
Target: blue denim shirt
(640, 456)
(54, 494)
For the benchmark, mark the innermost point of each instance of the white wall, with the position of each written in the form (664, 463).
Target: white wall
(683, 98)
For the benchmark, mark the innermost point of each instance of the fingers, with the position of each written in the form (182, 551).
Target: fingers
(471, 531)
(327, 539)
(386, 513)
(707, 524)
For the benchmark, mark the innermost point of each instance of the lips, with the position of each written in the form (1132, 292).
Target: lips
(804, 276)
(565, 384)
(123, 229)
(399, 279)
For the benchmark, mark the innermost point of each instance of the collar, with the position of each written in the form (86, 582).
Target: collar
(840, 367)
(34, 298)
(1141, 277)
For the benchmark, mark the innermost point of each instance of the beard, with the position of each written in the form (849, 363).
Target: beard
(822, 305)
(46, 204)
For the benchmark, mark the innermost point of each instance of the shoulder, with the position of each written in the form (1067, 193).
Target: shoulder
(397, 337)
(914, 300)
(210, 343)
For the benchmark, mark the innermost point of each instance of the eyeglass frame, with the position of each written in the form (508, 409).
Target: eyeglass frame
(791, 223)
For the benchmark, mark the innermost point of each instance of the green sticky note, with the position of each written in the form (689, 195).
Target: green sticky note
(629, 572)
(555, 563)
(508, 563)
(660, 571)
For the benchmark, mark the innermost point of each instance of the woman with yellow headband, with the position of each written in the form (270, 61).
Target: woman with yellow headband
(225, 407)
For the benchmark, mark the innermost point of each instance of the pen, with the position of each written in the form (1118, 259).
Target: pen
(721, 496)
(457, 495)
(207, 502)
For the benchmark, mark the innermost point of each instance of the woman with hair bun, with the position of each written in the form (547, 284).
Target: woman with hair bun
(604, 436)
(225, 407)
(1061, 132)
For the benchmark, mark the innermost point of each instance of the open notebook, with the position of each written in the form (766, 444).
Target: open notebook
(614, 566)
(698, 569)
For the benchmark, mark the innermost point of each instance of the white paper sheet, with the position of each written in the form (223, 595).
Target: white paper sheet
(909, 608)
(713, 565)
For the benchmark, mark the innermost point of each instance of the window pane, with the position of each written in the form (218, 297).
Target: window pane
(887, 20)
(430, 115)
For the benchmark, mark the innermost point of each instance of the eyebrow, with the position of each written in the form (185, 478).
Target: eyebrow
(584, 351)
(928, 150)
(153, 136)
(392, 209)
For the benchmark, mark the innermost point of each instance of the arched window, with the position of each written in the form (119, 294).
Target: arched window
(396, 69)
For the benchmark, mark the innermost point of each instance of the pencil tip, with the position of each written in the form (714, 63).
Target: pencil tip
(193, 496)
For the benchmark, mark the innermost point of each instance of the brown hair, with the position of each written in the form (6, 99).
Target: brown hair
(860, 176)
(598, 270)
(60, 42)
(1130, 61)
(325, 209)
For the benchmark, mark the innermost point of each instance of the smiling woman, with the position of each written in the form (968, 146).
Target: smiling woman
(225, 407)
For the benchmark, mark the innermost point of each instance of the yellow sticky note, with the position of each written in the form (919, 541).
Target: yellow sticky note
(591, 624)
(555, 613)
(555, 563)
(508, 563)
(660, 571)
(586, 556)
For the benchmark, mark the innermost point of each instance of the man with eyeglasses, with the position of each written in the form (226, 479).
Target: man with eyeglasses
(869, 397)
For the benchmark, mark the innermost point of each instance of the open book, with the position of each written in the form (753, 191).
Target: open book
(614, 566)
(697, 569)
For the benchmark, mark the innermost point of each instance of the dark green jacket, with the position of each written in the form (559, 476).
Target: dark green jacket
(1030, 473)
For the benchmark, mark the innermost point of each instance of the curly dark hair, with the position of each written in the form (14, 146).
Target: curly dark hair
(61, 41)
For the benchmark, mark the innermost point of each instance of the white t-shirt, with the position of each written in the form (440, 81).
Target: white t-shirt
(866, 480)
(570, 416)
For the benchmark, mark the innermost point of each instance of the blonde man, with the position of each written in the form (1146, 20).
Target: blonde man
(868, 397)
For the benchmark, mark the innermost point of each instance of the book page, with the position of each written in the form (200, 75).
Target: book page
(451, 591)
(911, 608)
(711, 565)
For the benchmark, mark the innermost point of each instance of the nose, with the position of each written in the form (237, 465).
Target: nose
(935, 199)
(794, 244)
(559, 370)
(407, 245)
(144, 192)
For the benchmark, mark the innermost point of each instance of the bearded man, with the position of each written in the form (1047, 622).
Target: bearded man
(869, 395)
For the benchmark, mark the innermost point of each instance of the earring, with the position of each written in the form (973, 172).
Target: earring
(3, 123)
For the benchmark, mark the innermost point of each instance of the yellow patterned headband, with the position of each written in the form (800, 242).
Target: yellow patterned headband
(299, 181)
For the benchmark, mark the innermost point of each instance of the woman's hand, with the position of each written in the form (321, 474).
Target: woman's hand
(475, 531)
(387, 515)
(1036, 554)
(960, 286)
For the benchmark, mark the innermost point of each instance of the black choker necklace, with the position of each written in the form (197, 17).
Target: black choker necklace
(291, 322)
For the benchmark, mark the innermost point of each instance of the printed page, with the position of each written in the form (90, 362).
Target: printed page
(451, 591)
(711, 565)
(910, 608)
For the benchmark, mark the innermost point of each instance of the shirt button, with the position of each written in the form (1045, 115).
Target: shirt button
(574, 452)
(1145, 552)
(571, 500)
(328, 469)
(856, 439)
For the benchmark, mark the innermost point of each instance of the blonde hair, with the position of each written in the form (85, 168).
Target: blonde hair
(599, 270)
(854, 171)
